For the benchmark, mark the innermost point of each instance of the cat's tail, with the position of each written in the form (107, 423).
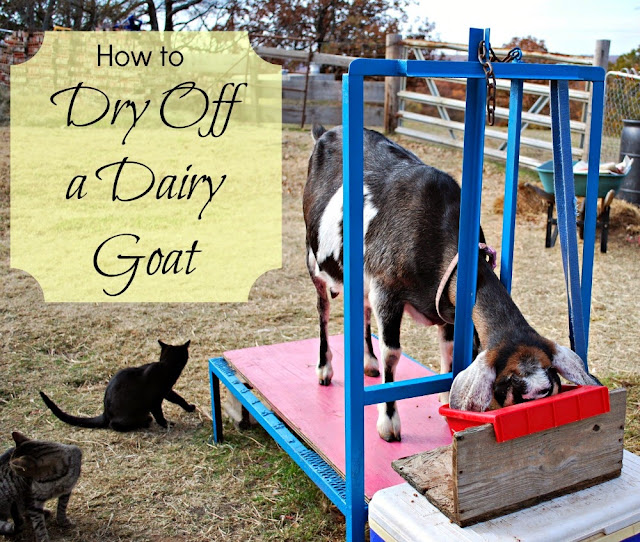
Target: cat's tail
(98, 422)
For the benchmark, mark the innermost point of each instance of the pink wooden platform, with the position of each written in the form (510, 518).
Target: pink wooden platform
(283, 375)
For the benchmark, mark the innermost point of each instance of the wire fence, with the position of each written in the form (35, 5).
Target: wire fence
(622, 101)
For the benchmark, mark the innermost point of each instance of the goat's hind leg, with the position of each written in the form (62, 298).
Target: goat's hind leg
(388, 314)
(370, 361)
(324, 370)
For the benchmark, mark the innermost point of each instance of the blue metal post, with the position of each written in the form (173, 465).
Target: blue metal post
(595, 140)
(565, 200)
(472, 162)
(511, 183)
(353, 261)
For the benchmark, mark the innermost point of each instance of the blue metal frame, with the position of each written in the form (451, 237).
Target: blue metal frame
(349, 495)
(511, 183)
(472, 164)
(469, 223)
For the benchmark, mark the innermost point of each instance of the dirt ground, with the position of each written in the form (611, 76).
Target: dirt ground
(161, 485)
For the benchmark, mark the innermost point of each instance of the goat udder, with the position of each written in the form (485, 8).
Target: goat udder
(417, 316)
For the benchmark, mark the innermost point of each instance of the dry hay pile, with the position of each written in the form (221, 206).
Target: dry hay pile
(533, 208)
(625, 216)
(530, 206)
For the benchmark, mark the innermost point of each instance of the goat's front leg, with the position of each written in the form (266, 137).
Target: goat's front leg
(370, 360)
(388, 314)
(445, 337)
(324, 370)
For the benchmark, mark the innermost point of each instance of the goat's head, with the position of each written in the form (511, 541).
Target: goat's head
(510, 374)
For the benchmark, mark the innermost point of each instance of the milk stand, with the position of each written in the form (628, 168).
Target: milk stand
(330, 431)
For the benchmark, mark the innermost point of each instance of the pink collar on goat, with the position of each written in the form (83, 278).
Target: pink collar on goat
(488, 251)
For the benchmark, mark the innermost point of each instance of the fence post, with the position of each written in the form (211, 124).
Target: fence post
(392, 84)
(600, 58)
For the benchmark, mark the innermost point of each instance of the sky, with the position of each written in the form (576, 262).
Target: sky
(567, 26)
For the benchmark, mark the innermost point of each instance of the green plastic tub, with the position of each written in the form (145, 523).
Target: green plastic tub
(606, 182)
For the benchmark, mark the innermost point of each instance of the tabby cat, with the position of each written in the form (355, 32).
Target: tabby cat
(135, 392)
(32, 473)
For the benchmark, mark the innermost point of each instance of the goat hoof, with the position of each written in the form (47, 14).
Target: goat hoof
(371, 367)
(371, 371)
(390, 436)
(388, 427)
(324, 374)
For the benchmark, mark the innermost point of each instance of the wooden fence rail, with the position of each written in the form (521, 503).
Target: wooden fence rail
(316, 58)
(533, 55)
(321, 96)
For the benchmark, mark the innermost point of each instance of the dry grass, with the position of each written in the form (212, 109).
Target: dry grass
(172, 484)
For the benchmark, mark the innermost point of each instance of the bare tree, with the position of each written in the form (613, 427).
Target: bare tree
(354, 27)
(74, 14)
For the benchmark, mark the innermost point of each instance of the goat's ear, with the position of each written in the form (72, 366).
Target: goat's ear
(570, 365)
(317, 131)
(472, 389)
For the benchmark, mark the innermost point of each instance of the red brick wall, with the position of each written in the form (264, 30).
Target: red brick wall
(16, 48)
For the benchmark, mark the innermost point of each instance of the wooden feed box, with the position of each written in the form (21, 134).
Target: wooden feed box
(476, 478)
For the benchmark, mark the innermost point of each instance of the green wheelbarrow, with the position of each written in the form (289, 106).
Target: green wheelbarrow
(608, 186)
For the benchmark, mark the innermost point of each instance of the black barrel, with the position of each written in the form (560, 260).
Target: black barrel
(630, 146)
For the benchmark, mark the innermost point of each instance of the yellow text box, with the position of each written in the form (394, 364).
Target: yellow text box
(146, 166)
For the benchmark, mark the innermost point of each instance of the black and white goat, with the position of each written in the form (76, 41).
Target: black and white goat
(411, 214)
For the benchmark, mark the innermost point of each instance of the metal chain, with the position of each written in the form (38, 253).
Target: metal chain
(486, 58)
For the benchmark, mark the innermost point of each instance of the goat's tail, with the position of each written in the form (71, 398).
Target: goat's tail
(98, 422)
(317, 131)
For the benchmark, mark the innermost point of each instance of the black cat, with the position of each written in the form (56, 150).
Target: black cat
(135, 392)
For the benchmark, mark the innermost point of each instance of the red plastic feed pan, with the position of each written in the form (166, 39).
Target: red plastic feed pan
(574, 403)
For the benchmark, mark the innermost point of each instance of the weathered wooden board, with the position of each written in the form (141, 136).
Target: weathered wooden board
(323, 90)
(328, 114)
(490, 479)
(607, 512)
(431, 474)
(493, 477)
(324, 100)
